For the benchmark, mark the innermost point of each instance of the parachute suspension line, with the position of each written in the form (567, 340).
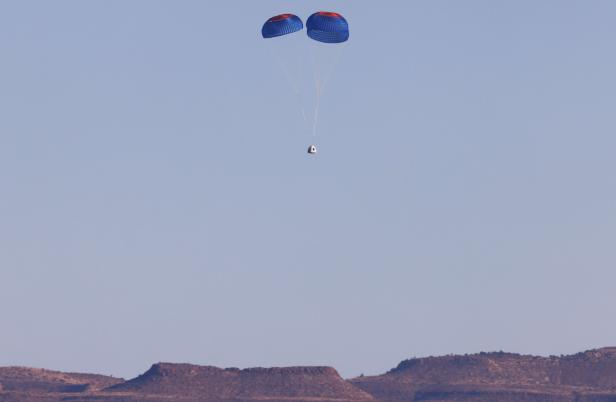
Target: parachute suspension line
(293, 82)
(317, 92)
(299, 97)
(317, 106)
(332, 67)
(320, 82)
(292, 79)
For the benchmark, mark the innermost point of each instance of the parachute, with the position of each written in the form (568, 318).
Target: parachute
(324, 27)
(328, 27)
(283, 24)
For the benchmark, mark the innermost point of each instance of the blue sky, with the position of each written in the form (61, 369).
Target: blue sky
(157, 203)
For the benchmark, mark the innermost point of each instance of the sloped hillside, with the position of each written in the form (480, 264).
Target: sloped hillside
(485, 377)
(40, 380)
(212, 383)
(498, 377)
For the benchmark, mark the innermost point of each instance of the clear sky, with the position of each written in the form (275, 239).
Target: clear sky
(157, 202)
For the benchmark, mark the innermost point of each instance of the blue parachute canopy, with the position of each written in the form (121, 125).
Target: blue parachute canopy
(327, 27)
(282, 24)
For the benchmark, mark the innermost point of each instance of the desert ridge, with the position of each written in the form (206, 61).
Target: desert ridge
(584, 377)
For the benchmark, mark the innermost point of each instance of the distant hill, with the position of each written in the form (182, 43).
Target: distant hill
(212, 383)
(485, 377)
(39, 380)
(498, 377)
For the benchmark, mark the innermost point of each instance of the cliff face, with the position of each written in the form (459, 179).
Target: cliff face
(485, 377)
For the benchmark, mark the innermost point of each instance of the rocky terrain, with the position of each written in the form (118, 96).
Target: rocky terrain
(215, 384)
(588, 376)
(585, 377)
